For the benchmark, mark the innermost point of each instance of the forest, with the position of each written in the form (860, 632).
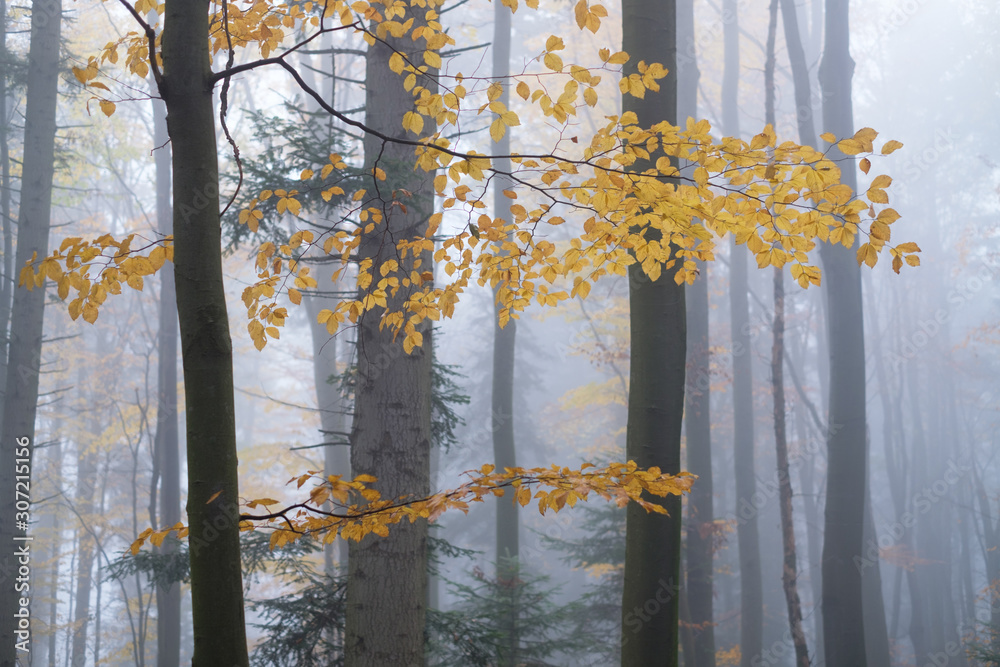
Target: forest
(378, 333)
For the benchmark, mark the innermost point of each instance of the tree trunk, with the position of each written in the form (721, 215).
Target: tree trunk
(333, 424)
(748, 537)
(699, 533)
(206, 348)
(387, 586)
(843, 608)
(504, 338)
(8, 280)
(656, 380)
(789, 570)
(86, 471)
(167, 447)
(24, 361)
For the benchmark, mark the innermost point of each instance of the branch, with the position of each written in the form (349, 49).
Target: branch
(151, 38)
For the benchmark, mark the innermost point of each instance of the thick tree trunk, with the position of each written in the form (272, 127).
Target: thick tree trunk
(699, 536)
(24, 360)
(387, 587)
(167, 447)
(656, 385)
(843, 608)
(206, 348)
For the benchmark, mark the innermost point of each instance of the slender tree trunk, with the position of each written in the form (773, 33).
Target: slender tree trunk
(333, 425)
(9, 278)
(843, 608)
(789, 570)
(747, 535)
(167, 447)
(656, 384)
(24, 361)
(86, 471)
(206, 348)
(504, 338)
(699, 534)
(387, 587)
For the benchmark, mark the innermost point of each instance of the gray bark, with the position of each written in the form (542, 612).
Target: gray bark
(166, 446)
(747, 535)
(843, 608)
(656, 386)
(24, 360)
(387, 586)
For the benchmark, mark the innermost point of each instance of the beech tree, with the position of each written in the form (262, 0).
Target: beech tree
(25, 349)
(634, 211)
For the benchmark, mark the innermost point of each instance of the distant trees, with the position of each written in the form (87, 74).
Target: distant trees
(25, 347)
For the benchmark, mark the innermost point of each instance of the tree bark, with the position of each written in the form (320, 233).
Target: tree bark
(86, 471)
(504, 339)
(699, 530)
(843, 608)
(656, 381)
(747, 535)
(387, 586)
(9, 278)
(24, 360)
(167, 446)
(213, 488)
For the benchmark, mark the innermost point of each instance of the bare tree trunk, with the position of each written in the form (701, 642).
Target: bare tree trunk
(747, 535)
(213, 487)
(656, 386)
(699, 537)
(387, 586)
(504, 339)
(166, 446)
(24, 361)
(86, 472)
(847, 460)
(8, 278)
(789, 571)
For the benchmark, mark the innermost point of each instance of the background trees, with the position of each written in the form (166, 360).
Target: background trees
(575, 402)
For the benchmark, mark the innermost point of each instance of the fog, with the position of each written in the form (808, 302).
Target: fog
(844, 435)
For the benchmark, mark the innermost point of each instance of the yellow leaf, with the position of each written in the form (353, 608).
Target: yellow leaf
(891, 147)
(881, 181)
(396, 63)
(828, 137)
(306, 174)
(294, 296)
(867, 255)
(851, 146)
(413, 122)
(523, 90)
(619, 58)
(107, 107)
(553, 62)
(497, 130)
(432, 59)
(554, 43)
(865, 165)
(89, 312)
(580, 12)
